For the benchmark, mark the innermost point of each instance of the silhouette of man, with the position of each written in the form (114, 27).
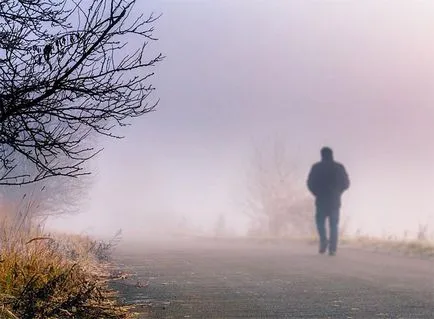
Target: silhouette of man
(327, 181)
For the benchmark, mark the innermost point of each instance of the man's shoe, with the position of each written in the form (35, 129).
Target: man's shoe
(332, 253)
(323, 248)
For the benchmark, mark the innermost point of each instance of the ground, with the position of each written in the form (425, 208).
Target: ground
(238, 279)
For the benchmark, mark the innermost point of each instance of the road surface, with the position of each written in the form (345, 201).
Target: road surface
(235, 279)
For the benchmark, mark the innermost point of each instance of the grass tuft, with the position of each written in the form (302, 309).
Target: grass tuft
(55, 276)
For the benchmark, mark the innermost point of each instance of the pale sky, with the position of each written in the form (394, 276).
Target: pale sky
(355, 75)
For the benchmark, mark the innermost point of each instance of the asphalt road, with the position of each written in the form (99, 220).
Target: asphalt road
(206, 279)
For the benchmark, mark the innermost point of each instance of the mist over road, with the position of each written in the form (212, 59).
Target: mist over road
(235, 279)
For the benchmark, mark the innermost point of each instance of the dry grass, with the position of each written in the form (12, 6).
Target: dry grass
(414, 247)
(420, 244)
(54, 276)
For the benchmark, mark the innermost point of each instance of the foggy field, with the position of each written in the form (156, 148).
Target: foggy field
(191, 278)
(271, 116)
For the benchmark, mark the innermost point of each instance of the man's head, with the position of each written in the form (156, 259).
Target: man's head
(326, 154)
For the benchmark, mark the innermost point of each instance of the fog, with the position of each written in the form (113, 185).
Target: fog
(356, 75)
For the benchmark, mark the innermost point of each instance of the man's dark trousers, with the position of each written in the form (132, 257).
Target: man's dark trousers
(322, 213)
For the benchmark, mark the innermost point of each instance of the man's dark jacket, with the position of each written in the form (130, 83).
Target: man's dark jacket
(327, 181)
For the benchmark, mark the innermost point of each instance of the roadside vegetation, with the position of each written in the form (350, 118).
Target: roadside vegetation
(419, 244)
(45, 275)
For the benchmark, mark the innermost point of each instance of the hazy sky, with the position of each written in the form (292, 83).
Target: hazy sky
(356, 75)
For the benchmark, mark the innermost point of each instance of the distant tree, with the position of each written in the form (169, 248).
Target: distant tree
(68, 69)
(220, 228)
(46, 198)
(277, 201)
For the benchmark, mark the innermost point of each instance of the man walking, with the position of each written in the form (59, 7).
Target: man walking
(327, 181)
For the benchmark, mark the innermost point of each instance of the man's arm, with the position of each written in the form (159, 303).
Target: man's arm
(311, 181)
(345, 180)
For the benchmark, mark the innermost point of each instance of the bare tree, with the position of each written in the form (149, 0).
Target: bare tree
(68, 68)
(277, 202)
